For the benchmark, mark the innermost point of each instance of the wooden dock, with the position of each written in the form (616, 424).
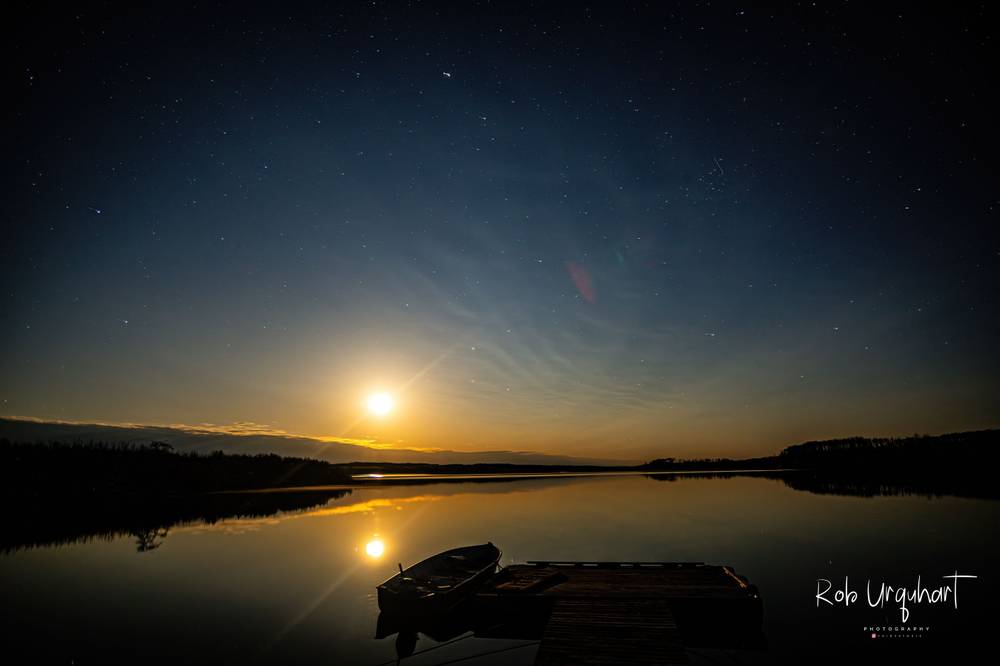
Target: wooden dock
(624, 612)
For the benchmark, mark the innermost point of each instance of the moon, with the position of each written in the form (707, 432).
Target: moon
(380, 404)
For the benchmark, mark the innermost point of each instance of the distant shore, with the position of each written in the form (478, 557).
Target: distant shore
(370, 479)
(63, 493)
(93, 469)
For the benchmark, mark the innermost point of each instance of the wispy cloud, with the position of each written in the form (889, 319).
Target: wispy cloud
(236, 429)
(250, 437)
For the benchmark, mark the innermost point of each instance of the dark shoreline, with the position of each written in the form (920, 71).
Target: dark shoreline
(58, 494)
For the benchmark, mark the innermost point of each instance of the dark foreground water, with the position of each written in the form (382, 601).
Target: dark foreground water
(299, 586)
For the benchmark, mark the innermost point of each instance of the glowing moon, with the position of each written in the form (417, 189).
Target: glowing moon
(380, 404)
(375, 548)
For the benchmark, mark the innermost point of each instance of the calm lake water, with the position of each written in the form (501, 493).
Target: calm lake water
(299, 587)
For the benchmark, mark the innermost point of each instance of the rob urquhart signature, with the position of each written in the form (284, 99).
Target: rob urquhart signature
(879, 595)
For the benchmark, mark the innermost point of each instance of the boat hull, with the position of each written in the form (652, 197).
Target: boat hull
(407, 593)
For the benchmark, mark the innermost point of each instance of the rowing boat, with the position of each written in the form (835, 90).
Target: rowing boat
(439, 582)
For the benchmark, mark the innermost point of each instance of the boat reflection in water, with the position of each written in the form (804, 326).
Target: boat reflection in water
(407, 629)
(470, 618)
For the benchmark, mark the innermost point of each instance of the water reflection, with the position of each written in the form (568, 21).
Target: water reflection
(151, 539)
(859, 483)
(469, 621)
(295, 583)
(52, 520)
(375, 548)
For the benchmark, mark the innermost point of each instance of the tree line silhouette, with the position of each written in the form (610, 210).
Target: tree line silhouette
(60, 493)
(957, 450)
(952, 450)
(96, 468)
(963, 464)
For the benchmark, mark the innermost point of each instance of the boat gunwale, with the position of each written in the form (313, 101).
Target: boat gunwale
(453, 592)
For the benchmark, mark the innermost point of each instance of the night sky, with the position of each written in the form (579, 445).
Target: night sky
(616, 231)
